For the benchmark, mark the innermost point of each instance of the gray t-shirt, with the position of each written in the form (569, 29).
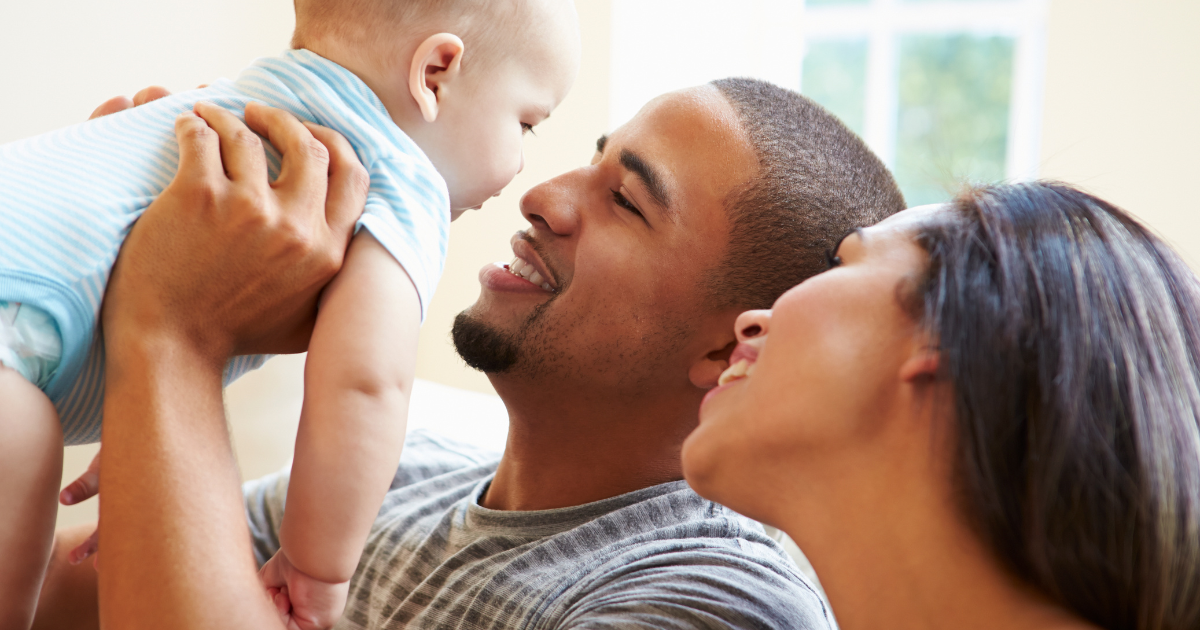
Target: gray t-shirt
(660, 557)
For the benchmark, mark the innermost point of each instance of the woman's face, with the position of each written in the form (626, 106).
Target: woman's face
(815, 379)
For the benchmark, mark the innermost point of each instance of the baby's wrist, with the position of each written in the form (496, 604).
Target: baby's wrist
(310, 574)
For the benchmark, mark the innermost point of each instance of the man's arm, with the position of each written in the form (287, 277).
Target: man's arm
(221, 264)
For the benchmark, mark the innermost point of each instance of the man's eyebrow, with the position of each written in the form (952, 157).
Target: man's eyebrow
(600, 142)
(649, 176)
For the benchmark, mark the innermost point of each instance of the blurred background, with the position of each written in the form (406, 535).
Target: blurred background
(1104, 94)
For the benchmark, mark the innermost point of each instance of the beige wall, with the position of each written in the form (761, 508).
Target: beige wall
(1122, 108)
(1121, 117)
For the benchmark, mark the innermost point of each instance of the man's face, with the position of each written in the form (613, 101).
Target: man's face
(624, 246)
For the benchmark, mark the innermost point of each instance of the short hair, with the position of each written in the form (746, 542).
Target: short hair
(1070, 335)
(816, 181)
(483, 25)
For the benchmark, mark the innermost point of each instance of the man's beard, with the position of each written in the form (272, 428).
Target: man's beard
(488, 349)
(482, 347)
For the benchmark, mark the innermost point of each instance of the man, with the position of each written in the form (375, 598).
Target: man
(709, 202)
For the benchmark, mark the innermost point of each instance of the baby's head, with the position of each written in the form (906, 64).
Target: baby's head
(465, 79)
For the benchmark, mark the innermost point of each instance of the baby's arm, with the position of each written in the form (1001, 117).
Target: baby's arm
(356, 387)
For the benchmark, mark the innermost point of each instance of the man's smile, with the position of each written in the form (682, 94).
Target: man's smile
(527, 273)
(528, 264)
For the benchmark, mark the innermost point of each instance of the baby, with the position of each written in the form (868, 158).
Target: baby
(435, 96)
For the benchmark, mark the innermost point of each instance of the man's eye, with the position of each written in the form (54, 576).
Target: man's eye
(620, 200)
(831, 260)
(526, 128)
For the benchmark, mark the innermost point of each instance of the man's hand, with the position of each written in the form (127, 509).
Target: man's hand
(225, 261)
(303, 602)
(121, 103)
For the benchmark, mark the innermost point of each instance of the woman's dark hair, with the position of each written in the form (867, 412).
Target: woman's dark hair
(1071, 335)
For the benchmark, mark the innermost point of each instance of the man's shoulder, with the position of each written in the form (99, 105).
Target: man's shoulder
(428, 455)
(678, 557)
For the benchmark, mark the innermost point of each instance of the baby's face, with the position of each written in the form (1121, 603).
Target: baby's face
(478, 145)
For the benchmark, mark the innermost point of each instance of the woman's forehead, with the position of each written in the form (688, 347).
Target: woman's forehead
(910, 219)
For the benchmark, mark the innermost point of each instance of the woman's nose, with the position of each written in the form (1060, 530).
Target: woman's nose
(752, 324)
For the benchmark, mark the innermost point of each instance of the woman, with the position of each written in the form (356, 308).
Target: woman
(983, 415)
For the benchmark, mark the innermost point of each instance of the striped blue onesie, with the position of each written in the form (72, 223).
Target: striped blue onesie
(68, 199)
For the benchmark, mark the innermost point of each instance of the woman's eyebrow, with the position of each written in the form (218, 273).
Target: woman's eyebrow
(600, 142)
(838, 245)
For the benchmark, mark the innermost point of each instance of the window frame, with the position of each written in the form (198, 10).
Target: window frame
(883, 22)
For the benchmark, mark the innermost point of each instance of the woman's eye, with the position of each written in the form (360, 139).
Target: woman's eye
(620, 200)
(831, 260)
(526, 128)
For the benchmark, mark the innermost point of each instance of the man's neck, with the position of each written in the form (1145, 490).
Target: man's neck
(565, 451)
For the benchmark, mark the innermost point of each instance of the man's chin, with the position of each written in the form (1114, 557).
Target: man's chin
(483, 347)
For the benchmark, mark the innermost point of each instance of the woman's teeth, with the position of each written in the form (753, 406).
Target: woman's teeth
(738, 370)
(525, 270)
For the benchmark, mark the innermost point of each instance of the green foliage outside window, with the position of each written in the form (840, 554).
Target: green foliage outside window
(835, 75)
(952, 123)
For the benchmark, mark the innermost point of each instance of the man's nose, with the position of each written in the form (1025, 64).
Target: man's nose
(752, 324)
(554, 205)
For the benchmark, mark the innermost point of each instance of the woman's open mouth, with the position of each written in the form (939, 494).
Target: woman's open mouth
(741, 364)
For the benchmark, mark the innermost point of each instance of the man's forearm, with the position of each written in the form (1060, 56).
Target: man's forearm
(175, 548)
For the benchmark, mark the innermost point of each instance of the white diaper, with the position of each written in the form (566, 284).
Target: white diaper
(29, 342)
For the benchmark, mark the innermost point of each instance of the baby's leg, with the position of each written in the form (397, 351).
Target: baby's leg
(30, 472)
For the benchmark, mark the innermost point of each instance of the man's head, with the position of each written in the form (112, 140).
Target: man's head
(465, 79)
(688, 214)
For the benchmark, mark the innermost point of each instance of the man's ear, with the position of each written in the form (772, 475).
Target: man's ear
(438, 61)
(705, 372)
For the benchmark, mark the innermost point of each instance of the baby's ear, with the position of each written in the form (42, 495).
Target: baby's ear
(437, 62)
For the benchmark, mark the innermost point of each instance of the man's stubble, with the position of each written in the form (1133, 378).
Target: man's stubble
(543, 348)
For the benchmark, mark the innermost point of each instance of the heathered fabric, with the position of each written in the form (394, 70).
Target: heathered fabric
(661, 557)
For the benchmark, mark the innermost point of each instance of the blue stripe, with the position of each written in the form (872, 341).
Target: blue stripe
(69, 197)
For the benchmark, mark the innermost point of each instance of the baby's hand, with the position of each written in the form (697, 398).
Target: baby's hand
(303, 602)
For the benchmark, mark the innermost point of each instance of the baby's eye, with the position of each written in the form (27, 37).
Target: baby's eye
(526, 128)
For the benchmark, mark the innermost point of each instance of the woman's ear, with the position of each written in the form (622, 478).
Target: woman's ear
(922, 365)
(437, 62)
(705, 372)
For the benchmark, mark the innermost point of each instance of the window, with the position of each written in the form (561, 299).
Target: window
(944, 91)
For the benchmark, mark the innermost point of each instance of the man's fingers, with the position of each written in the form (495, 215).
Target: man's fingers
(152, 93)
(82, 489)
(85, 549)
(305, 160)
(241, 149)
(122, 103)
(348, 182)
(85, 487)
(199, 149)
(112, 106)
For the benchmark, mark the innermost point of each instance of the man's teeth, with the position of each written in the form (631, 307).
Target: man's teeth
(734, 372)
(521, 268)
